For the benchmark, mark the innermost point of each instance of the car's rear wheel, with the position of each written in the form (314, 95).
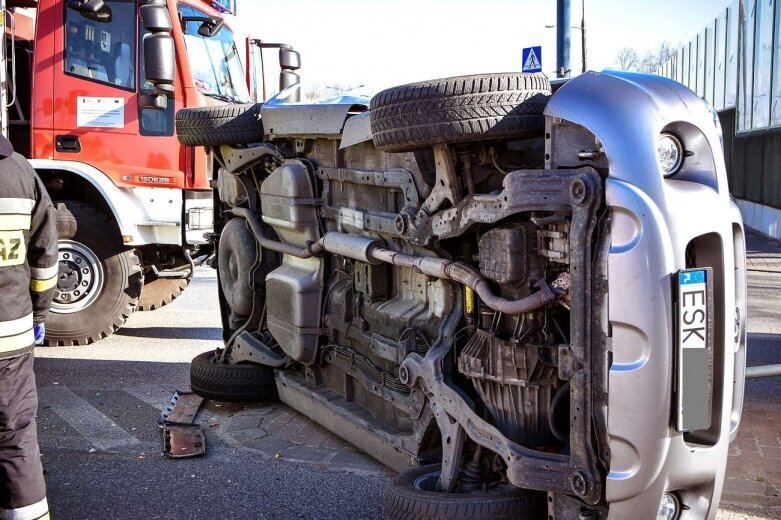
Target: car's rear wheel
(412, 495)
(231, 383)
(459, 109)
(215, 126)
(99, 279)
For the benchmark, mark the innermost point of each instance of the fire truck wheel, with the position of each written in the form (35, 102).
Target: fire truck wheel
(412, 495)
(160, 292)
(459, 109)
(99, 282)
(214, 126)
(231, 383)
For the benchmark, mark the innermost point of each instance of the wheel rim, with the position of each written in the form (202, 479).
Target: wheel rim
(80, 279)
(427, 482)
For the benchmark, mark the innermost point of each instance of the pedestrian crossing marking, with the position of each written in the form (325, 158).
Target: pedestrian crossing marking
(91, 423)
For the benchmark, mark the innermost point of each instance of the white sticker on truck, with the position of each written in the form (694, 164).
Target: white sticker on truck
(100, 112)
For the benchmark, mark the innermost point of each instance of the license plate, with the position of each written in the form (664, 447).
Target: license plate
(694, 345)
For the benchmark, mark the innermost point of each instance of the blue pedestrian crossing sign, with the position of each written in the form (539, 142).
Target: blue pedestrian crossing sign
(532, 59)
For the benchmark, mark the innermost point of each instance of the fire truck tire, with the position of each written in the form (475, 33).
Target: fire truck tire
(160, 292)
(412, 495)
(214, 126)
(231, 383)
(100, 280)
(459, 109)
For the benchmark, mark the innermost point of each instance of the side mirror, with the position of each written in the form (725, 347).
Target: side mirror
(93, 10)
(159, 58)
(289, 59)
(159, 53)
(153, 101)
(288, 78)
(211, 27)
(155, 18)
(86, 6)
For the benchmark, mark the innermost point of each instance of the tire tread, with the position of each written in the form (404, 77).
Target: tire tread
(221, 125)
(231, 383)
(403, 501)
(459, 109)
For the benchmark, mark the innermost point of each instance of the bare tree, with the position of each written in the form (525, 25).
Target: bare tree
(666, 52)
(314, 91)
(339, 88)
(627, 59)
(650, 63)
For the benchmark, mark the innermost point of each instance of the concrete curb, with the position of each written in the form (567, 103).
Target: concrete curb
(760, 261)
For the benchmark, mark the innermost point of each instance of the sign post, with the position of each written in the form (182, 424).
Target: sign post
(532, 59)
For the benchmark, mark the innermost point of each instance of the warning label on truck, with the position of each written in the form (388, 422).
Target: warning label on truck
(100, 112)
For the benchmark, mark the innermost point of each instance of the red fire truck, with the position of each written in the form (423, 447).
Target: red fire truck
(91, 90)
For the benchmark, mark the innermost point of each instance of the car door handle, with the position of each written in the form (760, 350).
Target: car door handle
(68, 144)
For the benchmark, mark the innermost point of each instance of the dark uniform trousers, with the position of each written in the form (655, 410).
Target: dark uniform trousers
(28, 276)
(20, 460)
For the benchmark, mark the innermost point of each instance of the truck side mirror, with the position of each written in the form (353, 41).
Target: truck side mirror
(86, 6)
(155, 18)
(93, 10)
(159, 61)
(159, 54)
(288, 78)
(211, 27)
(289, 59)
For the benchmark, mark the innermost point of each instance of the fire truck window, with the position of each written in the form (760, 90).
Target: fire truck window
(215, 61)
(103, 51)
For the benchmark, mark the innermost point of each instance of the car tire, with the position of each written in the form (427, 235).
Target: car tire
(459, 109)
(160, 292)
(410, 496)
(231, 383)
(100, 279)
(215, 126)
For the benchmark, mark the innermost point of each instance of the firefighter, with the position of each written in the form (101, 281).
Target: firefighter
(28, 276)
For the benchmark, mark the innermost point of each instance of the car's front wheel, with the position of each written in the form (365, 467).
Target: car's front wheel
(413, 495)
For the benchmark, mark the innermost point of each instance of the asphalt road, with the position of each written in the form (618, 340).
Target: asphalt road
(102, 448)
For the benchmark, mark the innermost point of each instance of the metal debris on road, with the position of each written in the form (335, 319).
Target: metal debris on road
(182, 438)
(182, 408)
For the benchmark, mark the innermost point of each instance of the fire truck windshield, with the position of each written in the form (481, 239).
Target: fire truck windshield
(215, 61)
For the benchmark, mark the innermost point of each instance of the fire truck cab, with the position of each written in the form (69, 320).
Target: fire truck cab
(92, 88)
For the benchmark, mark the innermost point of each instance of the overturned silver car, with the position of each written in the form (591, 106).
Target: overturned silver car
(531, 305)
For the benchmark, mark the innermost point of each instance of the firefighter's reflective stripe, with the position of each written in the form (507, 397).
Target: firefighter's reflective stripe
(16, 206)
(43, 278)
(15, 222)
(16, 334)
(37, 511)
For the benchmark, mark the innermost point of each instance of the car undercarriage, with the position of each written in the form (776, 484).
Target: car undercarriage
(427, 277)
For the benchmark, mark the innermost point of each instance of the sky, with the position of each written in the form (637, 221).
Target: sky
(382, 44)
